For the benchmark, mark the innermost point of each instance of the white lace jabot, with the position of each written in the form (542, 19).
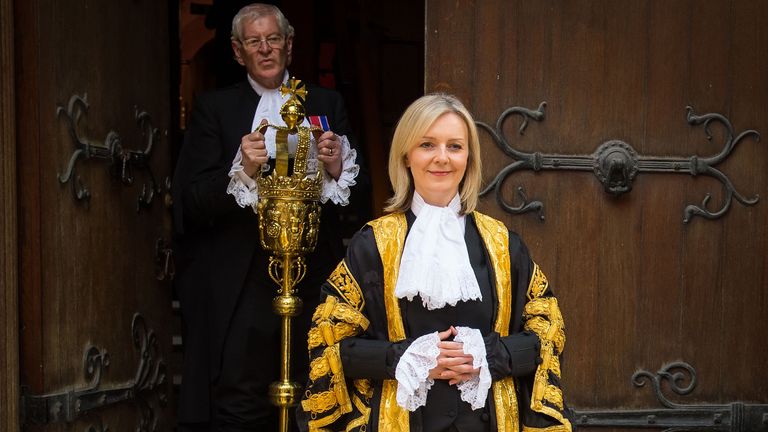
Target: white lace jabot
(435, 262)
(435, 266)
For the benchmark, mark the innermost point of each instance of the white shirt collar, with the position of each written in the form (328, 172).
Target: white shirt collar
(417, 203)
(260, 89)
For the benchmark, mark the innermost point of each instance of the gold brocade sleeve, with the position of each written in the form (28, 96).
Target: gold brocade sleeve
(542, 316)
(328, 397)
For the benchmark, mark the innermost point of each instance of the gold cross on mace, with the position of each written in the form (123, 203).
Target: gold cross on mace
(295, 88)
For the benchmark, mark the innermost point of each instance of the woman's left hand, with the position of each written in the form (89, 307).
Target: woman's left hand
(329, 152)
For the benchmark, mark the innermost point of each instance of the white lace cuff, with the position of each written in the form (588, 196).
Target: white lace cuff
(474, 391)
(338, 190)
(243, 188)
(412, 372)
(246, 191)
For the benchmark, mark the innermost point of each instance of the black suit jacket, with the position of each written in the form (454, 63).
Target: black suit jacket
(217, 242)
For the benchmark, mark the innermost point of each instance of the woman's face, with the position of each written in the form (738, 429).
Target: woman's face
(438, 160)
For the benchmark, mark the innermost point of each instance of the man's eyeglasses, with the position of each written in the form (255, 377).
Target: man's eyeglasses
(274, 42)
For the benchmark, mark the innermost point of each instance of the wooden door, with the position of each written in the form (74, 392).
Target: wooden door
(93, 108)
(665, 318)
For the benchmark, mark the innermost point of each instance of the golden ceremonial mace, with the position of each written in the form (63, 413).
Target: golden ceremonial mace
(289, 219)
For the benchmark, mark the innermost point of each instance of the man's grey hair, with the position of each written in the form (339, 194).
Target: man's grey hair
(255, 11)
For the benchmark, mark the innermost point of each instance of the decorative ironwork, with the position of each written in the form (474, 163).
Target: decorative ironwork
(69, 405)
(616, 164)
(680, 378)
(165, 267)
(122, 161)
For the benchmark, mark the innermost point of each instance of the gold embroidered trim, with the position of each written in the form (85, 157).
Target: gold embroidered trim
(507, 418)
(345, 284)
(365, 413)
(391, 416)
(555, 428)
(496, 238)
(319, 402)
(543, 317)
(328, 362)
(538, 283)
(318, 424)
(389, 232)
(554, 395)
(335, 321)
(364, 387)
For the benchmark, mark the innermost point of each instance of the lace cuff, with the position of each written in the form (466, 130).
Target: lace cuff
(243, 188)
(246, 191)
(412, 372)
(338, 190)
(474, 391)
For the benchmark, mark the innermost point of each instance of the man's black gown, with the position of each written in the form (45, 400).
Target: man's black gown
(220, 262)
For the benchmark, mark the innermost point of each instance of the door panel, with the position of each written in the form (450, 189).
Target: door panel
(642, 291)
(93, 103)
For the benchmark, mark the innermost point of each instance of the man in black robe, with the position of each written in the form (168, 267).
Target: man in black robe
(231, 335)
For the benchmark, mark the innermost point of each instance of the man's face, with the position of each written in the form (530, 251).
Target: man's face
(264, 51)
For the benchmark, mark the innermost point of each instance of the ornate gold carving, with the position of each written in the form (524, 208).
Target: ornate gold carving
(345, 284)
(292, 110)
(288, 226)
(289, 218)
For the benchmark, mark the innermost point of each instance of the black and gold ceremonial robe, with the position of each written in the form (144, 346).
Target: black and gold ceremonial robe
(361, 329)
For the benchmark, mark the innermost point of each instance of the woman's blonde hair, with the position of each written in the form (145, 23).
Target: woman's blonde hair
(413, 124)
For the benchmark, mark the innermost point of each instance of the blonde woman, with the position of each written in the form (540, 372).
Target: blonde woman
(437, 319)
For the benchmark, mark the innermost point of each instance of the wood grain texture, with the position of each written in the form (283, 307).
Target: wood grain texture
(9, 354)
(638, 287)
(88, 267)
